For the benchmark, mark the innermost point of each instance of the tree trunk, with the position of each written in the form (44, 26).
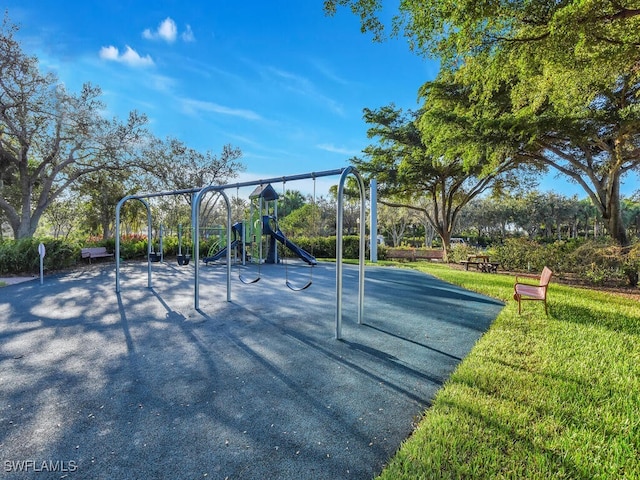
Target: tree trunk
(446, 244)
(106, 227)
(28, 223)
(25, 229)
(613, 216)
(428, 234)
(617, 230)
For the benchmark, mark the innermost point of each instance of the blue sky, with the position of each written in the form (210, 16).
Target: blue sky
(278, 79)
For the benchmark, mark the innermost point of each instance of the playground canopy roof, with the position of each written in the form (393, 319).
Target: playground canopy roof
(266, 192)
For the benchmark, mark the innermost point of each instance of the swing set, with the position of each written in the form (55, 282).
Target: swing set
(267, 225)
(276, 234)
(288, 283)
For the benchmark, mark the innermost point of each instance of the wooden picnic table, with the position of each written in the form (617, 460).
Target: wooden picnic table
(481, 262)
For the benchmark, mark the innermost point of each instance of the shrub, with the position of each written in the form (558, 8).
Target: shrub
(21, 256)
(60, 254)
(632, 264)
(325, 247)
(596, 262)
(518, 254)
(460, 252)
(606, 262)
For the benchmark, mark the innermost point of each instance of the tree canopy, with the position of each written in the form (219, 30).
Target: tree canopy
(50, 137)
(55, 145)
(407, 170)
(552, 84)
(597, 31)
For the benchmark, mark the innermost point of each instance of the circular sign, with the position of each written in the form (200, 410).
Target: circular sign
(41, 250)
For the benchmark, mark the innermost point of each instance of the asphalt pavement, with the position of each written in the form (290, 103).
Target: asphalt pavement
(140, 385)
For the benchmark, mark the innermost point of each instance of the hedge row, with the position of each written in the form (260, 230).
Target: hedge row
(22, 256)
(595, 262)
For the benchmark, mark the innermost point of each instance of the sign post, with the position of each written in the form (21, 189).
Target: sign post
(42, 251)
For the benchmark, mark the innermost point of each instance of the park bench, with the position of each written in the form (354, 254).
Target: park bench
(481, 263)
(413, 254)
(95, 252)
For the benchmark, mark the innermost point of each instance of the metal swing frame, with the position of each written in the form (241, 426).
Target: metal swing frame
(195, 208)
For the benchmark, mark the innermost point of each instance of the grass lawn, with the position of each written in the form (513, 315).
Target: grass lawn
(538, 397)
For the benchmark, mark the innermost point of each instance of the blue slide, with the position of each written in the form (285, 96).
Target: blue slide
(221, 253)
(278, 235)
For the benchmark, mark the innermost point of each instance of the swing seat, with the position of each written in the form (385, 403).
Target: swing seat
(296, 289)
(247, 281)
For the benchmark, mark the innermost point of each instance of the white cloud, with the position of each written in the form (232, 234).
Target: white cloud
(187, 35)
(168, 32)
(194, 106)
(162, 83)
(109, 53)
(328, 72)
(129, 56)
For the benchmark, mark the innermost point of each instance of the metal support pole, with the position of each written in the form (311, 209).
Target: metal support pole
(244, 243)
(149, 241)
(339, 226)
(195, 229)
(118, 207)
(260, 220)
(275, 215)
(373, 221)
(41, 253)
(195, 226)
(362, 244)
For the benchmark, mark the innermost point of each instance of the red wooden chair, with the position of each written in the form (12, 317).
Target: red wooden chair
(529, 291)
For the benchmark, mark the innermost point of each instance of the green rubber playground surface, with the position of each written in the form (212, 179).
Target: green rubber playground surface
(141, 385)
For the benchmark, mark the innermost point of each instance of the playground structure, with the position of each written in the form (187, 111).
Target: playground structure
(197, 197)
(263, 218)
(237, 229)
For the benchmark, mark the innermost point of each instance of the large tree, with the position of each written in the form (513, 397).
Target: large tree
(175, 166)
(394, 222)
(554, 83)
(49, 137)
(100, 192)
(586, 128)
(604, 30)
(408, 172)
